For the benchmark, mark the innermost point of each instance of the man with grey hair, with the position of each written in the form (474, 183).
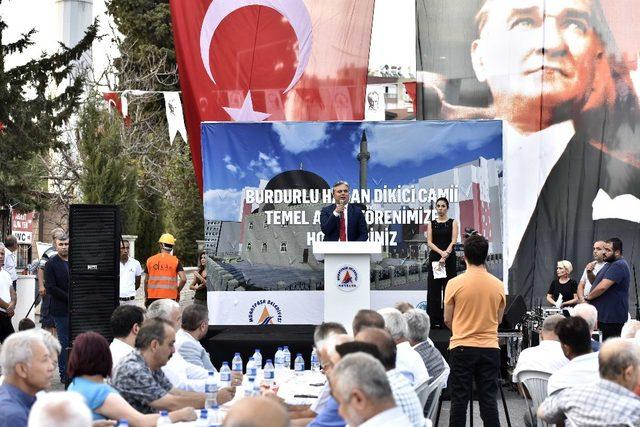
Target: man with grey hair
(419, 326)
(546, 356)
(7, 299)
(589, 313)
(195, 324)
(343, 221)
(630, 329)
(408, 361)
(608, 402)
(60, 409)
(28, 369)
(361, 388)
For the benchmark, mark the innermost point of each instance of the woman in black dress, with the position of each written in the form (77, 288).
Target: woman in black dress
(199, 283)
(442, 234)
(563, 285)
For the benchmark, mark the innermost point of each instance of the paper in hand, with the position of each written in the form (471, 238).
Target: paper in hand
(559, 301)
(439, 271)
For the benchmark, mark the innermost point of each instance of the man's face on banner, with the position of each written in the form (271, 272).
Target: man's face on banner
(509, 54)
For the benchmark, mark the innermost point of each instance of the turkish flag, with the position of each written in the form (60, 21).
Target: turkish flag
(254, 60)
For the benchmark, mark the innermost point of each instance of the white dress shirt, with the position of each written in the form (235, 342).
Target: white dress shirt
(410, 364)
(545, 357)
(184, 375)
(579, 371)
(587, 282)
(5, 287)
(128, 273)
(346, 222)
(393, 417)
(119, 349)
(10, 263)
(318, 405)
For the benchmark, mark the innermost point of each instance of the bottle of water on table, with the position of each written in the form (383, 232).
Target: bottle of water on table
(315, 363)
(210, 391)
(269, 373)
(287, 357)
(236, 364)
(225, 375)
(164, 419)
(214, 416)
(251, 369)
(279, 359)
(248, 390)
(257, 357)
(203, 419)
(299, 365)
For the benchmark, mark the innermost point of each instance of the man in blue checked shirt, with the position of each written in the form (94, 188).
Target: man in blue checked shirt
(609, 401)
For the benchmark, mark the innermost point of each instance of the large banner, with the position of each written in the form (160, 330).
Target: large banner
(254, 60)
(266, 183)
(562, 75)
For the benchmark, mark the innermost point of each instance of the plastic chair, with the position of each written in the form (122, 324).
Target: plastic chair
(434, 391)
(536, 383)
(423, 392)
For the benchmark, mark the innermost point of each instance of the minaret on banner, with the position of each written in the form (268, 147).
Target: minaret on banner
(363, 158)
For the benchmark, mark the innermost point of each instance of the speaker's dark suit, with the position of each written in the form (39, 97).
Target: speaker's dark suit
(356, 225)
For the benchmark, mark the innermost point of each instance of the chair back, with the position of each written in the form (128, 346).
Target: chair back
(536, 383)
(434, 390)
(423, 392)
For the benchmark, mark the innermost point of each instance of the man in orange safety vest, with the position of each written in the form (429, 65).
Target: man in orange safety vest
(165, 276)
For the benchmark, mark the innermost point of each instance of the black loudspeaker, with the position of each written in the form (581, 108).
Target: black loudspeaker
(514, 312)
(94, 250)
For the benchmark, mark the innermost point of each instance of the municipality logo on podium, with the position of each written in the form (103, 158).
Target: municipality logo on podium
(347, 279)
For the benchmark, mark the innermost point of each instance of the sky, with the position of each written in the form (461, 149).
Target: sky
(239, 155)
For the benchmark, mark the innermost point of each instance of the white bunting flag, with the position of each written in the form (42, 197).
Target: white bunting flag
(175, 119)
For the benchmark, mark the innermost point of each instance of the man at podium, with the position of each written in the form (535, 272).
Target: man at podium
(343, 221)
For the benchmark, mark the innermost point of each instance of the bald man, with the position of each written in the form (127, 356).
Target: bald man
(257, 412)
(610, 401)
(584, 287)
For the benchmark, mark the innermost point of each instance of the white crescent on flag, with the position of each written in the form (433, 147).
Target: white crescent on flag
(294, 10)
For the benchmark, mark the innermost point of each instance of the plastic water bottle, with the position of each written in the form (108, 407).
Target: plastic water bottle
(210, 391)
(299, 364)
(315, 363)
(279, 359)
(164, 419)
(225, 375)
(287, 357)
(269, 373)
(256, 389)
(236, 364)
(257, 357)
(203, 419)
(251, 369)
(248, 391)
(214, 416)
(123, 423)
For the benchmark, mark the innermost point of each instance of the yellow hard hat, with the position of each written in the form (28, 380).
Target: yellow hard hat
(167, 239)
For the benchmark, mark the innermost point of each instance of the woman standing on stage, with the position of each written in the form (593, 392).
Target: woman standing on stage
(563, 285)
(442, 234)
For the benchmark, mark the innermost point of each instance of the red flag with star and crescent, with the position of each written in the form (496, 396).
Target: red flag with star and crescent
(255, 60)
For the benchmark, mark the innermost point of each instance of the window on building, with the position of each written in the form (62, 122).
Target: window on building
(283, 247)
(264, 247)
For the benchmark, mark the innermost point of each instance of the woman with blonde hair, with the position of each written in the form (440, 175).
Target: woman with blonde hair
(563, 285)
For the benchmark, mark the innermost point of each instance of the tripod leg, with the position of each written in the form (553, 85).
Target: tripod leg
(504, 403)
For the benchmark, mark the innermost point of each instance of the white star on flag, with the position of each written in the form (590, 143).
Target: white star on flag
(246, 112)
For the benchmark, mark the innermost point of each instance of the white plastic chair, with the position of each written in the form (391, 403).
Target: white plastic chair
(433, 394)
(423, 392)
(536, 384)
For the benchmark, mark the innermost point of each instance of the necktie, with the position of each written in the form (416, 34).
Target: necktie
(343, 229)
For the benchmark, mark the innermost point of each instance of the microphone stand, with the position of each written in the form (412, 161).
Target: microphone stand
(635, 283)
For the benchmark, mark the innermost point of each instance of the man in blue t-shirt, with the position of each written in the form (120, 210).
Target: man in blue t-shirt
(610, 290)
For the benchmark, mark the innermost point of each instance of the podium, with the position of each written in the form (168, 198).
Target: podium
(347, 267)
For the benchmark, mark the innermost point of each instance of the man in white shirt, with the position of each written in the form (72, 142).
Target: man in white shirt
(10, 257)
(583, 366)
(130, 274)
(7, 299)
(195, 324)
(545, 357)
(598, 262)
(359, 384)
(408, 361)
(125, 324)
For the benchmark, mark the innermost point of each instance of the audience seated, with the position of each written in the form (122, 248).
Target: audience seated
(548, 355)
(360, 386)
(403, 306)
(195, 324)
(89, 365)
(366, 319)
(140, 379)
(403, 392)
(257, 412)
(28, 368)
(582, 369)
(589, 313)
(611, 401)
(26, 324)
(408, 361)
(60, 409)
(183, 375)
(125, 324)
(630, 329)
(419, 326)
